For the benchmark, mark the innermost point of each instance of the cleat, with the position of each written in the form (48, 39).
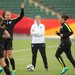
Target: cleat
(14, 72)
(46, 69)
(73, 74)
(1, 69)
(64, 70)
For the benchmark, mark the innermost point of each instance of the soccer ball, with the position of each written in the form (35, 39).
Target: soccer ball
(30, 67)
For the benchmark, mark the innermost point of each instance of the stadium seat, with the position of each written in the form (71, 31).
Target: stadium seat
(66, 6)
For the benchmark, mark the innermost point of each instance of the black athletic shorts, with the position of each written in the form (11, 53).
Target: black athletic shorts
(1, 50)
(8, 44)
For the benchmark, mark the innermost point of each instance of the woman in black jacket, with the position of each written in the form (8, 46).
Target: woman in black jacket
(65, 44)
(10, 24)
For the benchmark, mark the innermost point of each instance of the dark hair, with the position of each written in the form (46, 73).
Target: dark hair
(65, 17)
(1, 21)
(3, 15)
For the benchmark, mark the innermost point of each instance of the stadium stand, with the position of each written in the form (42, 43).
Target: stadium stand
(51, 23)
(66, 6)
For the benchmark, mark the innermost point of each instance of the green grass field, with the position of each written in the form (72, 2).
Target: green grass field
(22, 54)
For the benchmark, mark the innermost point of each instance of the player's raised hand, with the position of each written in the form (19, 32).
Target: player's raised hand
(22, 5)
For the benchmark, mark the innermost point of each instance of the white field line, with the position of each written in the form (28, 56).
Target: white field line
(27, 49)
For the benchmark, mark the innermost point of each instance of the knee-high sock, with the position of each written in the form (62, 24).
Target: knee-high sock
(12, 61)
(7, 71)
(7, 61)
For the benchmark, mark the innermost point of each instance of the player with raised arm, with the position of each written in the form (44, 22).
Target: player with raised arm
(9, 25)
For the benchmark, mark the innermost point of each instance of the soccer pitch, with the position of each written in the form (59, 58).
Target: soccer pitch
(23, 56)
